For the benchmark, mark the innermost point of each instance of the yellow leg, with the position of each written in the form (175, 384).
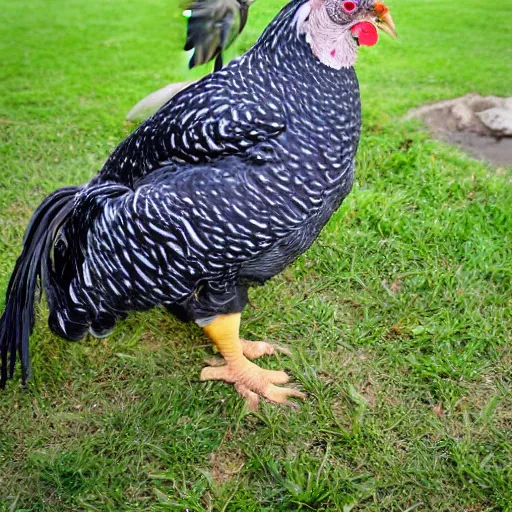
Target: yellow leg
(250, 380)
(223, 331)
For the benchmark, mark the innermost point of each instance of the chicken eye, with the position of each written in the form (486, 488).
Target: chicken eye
(349, 7)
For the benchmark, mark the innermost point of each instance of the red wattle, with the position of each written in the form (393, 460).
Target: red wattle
(366, 33)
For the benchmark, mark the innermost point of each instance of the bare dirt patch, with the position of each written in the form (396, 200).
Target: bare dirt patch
(225, 464)
(481, 125)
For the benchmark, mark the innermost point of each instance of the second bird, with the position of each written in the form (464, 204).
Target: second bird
(212, 26)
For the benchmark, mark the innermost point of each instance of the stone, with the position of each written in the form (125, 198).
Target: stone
(463, 116)
(498, 120)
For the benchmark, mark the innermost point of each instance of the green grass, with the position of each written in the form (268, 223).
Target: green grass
(399, 317)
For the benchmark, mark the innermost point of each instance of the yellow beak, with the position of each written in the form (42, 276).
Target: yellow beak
(384, 20)
(387, 24)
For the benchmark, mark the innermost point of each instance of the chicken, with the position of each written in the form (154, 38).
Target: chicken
(223, 188)
(211, 28)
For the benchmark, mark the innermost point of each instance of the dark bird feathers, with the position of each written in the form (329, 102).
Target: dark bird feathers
(212, 26)
(225, 186)
(33, 265)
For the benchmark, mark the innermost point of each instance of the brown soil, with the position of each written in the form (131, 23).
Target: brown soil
(492, 149)
(482, 126)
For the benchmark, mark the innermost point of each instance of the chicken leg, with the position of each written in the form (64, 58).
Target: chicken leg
(250, 380)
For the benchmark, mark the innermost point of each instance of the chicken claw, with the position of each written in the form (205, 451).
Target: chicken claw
(251, 381)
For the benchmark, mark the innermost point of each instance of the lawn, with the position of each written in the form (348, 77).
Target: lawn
(399, 317)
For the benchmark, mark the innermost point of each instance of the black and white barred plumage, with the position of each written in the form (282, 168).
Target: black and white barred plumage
(225, 186)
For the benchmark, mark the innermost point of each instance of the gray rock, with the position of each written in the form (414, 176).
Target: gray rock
(463, 116)
(498, 120)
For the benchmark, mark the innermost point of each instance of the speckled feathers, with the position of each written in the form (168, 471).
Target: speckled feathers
(228, 183)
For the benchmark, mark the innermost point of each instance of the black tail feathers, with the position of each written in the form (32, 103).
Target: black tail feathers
(67, 319)
(32, 267)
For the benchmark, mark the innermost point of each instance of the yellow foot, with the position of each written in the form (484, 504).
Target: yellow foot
(251, 382)
(255, 349)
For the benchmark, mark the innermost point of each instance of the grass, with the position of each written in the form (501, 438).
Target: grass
(399, 317)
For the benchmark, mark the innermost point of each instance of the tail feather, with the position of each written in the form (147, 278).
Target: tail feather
(31, 269)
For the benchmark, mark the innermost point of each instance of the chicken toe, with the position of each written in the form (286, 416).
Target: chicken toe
(251, 381)
(255, 349)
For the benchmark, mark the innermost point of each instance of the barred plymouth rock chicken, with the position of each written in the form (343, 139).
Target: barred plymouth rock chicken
(222, 188)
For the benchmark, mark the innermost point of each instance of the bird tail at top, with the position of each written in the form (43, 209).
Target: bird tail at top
(30, 273)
